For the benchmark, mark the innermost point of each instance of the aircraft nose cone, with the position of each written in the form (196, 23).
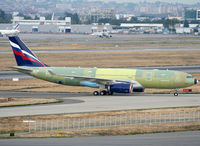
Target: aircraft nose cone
(196, 81)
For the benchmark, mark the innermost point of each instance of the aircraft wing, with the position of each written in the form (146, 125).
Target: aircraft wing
(101, 81)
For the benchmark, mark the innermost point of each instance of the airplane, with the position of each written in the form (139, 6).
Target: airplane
(102, 34)
(107, 80)
(14, 31)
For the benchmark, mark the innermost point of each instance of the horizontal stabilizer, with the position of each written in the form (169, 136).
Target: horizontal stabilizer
(22, 69)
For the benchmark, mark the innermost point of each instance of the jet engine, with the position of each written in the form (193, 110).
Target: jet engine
(125, 88)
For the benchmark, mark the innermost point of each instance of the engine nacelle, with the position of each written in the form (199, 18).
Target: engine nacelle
(138, 89)
(121, 88)
(125, 88)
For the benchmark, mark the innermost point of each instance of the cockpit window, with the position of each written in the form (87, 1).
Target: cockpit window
(189, 77)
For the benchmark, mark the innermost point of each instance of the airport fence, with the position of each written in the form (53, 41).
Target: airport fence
(114, 121)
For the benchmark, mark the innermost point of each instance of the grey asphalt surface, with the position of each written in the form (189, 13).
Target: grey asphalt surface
(92, 41)
(7, 75)
(105, 50)
(189, 138)
(58, 95)
(100, 103)
(45, 95)
(89, 39)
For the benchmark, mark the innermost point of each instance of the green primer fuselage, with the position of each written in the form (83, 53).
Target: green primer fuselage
(160, 79)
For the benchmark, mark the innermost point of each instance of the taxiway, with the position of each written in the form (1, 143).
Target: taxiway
(189, 138)
(89, 103)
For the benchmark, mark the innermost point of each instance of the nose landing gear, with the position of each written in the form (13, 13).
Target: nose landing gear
(176, 92)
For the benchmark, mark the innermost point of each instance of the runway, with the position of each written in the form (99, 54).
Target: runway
(89, 39)
(101, 103)
(189, 138)
(106, 50)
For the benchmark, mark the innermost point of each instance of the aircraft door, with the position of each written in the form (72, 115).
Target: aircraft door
(148, 76)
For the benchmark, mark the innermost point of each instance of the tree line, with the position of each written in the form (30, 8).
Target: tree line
(5, 18)
(167, 23)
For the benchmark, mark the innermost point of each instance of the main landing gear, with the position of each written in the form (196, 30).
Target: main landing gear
(102, 93)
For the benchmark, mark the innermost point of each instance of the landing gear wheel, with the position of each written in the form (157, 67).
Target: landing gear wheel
(103, 93)
(95, 93)
(175, 94)
(110, 93)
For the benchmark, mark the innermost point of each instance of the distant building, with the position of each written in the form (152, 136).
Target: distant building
(178, 18)
(43, 25)
(131, 25)
(190, 25)
(198, 15)
(126, 17)
(184, 30)
(143, 27)
(95, 15)
(41, 21)
(190, 14)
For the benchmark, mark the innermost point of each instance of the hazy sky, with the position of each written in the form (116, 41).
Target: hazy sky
(170, 1)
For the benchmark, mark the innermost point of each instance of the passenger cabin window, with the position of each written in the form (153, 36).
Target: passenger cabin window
(164, 74)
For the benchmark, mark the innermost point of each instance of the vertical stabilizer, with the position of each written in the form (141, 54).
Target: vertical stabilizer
(23, 56)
